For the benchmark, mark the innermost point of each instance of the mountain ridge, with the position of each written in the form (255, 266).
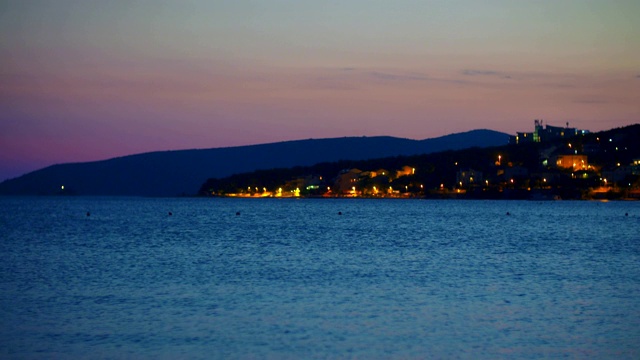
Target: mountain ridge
(181, 172)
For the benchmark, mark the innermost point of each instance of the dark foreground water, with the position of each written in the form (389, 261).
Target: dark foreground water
(294, 279)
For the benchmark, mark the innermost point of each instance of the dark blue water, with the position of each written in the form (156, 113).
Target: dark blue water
(292, 278)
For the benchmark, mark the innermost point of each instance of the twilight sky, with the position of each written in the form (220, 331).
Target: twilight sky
(84, 80)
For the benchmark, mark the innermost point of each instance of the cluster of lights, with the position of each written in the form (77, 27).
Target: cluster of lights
(579, 163)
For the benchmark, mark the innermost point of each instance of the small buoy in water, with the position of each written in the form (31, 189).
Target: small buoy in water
(88, 213)
(237, 213)
(339, 212)
(508, 213)
(170, 213)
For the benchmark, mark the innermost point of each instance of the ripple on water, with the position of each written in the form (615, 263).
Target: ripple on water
(292, 278)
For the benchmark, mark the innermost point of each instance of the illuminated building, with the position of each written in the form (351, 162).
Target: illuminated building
(406, 170)
(542, 133)
(524, 137)
(635, 167)
(572, 161)
(347, 179)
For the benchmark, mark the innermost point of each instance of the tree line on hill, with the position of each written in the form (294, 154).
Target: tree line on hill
(612, 154)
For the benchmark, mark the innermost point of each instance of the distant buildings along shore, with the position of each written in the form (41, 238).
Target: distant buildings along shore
(544, 133)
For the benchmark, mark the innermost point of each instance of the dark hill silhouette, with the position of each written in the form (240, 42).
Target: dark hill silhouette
(435, 175)
(175, 173)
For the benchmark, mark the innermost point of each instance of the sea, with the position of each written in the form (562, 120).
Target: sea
(223, 278)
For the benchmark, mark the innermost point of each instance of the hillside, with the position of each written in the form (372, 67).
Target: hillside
(175, 173)
(601, 165)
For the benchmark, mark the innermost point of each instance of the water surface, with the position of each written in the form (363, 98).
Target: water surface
(292, 278)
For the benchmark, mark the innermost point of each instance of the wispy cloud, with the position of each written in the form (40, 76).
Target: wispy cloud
(493, 73)
(351, 78)
(479, 72)
(400, 77)
(590, 101)
(388, 76)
